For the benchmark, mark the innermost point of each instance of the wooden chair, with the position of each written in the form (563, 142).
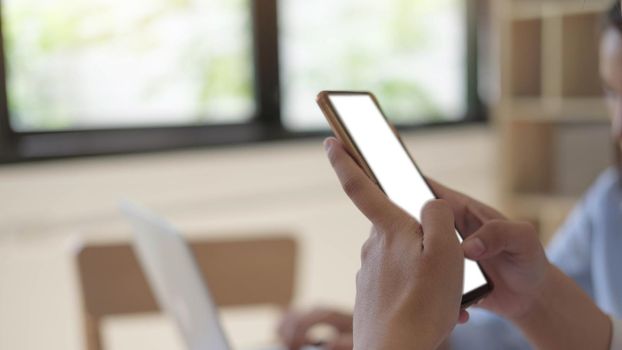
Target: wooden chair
(240, 272)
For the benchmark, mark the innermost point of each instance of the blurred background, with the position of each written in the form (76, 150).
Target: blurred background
(204, 111)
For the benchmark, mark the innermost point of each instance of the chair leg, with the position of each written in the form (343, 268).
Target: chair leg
(92, 332)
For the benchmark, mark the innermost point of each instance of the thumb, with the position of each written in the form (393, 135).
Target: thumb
(496, 237)
(437, 222)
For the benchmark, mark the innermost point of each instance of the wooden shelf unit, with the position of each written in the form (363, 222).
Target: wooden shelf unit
(552, 119)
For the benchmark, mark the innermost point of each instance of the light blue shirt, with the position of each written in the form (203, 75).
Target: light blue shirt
(588, 248)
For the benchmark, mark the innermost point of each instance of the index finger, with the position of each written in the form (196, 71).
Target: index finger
(470, 214)
(365, 194)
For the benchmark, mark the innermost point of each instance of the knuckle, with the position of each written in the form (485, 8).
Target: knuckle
(395, 229)
(404, 224)
(365, 250)
(495, 225)
(495, 233)
(527, 227)
(529, 231)
(333, 157)
(352, 185)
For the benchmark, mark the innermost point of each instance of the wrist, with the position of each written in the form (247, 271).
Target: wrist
(398, 335)
(415, 334)
(562, 316)
(540, 300)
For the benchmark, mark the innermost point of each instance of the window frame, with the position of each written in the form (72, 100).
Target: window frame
(266, 125)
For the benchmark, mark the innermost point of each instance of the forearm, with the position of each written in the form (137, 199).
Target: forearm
(395, 340)
(398, 335)
(445, 345)
(564, 317)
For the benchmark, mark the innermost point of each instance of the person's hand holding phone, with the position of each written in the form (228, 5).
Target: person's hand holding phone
(403, 288)
(529, 291)
(550, 308)
(509, 251)
(409, 287)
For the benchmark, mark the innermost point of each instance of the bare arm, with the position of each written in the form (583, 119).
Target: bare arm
(564, 317)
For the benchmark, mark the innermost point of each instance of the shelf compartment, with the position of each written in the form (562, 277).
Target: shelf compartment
(525, 57)
(580, 45)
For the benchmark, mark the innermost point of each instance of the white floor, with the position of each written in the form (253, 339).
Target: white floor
(46, 209)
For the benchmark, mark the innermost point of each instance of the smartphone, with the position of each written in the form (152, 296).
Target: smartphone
(359, 123)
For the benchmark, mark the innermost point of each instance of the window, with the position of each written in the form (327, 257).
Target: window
(410, 53)
(75, 64)
(101, 76)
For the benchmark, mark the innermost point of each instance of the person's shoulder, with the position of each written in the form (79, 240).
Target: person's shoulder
(607, 187)
(610, 177)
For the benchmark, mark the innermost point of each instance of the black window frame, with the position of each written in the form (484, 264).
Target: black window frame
(266, 125)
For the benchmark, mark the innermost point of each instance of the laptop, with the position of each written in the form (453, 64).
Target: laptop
(176, 281)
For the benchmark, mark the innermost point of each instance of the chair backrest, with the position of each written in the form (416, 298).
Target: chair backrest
(239, 272)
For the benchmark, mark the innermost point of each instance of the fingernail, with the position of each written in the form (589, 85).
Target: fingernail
(473, 247)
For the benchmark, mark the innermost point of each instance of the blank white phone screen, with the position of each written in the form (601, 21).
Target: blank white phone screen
(391, 164)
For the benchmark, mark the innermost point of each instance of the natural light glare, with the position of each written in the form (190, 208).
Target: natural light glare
(410, 53)
(115, 63)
